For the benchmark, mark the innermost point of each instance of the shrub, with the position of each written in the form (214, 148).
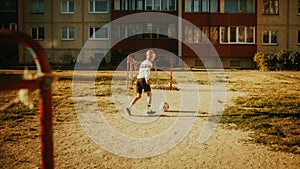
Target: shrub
(281, 60)
(261, 61)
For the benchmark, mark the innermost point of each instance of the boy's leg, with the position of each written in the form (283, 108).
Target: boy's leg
(149, 98)
(149, 101)
(139, 89)
(134, 100)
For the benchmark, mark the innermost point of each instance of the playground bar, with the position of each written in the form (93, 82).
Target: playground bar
(43, 82)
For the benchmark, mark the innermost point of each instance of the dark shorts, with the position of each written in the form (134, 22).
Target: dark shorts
(141, 84)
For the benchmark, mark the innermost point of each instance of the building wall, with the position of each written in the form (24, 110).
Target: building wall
(294, 26)
(287, 23)
(243, 51)
(53, 20)
(8, 20)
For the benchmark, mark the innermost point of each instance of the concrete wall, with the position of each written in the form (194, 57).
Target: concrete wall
(58, 50)
(287, 23)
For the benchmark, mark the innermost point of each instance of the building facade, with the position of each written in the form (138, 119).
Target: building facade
(278, 25)
(237, 29)
(9, 17)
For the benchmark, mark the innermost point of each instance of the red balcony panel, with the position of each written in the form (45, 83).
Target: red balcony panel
(119, 14)
(139, 44)
(228, 50)
(236, 50)
(242, 19)
(221, 19)
(200, 50)
(197, 18)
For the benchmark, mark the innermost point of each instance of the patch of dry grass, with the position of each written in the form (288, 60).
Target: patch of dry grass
(271, 108)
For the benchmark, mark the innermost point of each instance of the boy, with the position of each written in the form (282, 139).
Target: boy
(143, 83)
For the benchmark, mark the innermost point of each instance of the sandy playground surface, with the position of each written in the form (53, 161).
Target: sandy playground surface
(74, 148)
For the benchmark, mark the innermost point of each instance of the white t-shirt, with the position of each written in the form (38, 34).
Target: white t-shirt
(144, 71)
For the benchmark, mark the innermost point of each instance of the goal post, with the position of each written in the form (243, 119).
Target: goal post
(133, 62)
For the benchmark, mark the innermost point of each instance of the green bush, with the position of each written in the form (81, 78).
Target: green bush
(281, 60)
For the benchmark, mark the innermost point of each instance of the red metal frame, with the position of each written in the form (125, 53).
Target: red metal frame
(43, 83)
(139, 54)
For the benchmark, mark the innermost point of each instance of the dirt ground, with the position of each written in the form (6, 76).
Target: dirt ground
(75, 148)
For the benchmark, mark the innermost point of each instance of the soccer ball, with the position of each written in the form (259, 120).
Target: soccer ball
(164, 106)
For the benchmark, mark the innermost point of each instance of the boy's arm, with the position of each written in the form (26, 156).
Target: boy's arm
(147, 75)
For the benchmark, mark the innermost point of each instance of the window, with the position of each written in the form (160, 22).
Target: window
(124, 31)
(201, 6)
(67, 33)
(13, 26)
(160, 31)
(270, 37)
(250, 34)
(299, 37)
(237, 6)
(193, 35)
(298, 7)
(67, 7)
(160, 5)
(38, 33)
(144, 30)
(214, 34)
(139, 5)
(223, 34)
(172, 33)
(214, 5)
(205, 34)
(270, 7)
(8, 6)
(125, 5)
(234, 34)
(115, 31)
(98, 6)
(37, 6)
(196, 34)
(96, 33)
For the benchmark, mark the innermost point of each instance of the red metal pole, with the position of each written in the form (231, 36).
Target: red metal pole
(46, 123)
(127, 74)
(171, 72)
(44, 82)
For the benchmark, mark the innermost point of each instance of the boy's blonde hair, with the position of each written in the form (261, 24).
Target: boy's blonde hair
(150, 54)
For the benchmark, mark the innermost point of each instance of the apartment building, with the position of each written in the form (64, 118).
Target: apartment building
(8, 20)
(230, 26)
(237, 29)
(278, 25)
(63, 27)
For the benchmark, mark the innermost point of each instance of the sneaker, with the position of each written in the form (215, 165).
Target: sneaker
(128, 111)
(151, 112)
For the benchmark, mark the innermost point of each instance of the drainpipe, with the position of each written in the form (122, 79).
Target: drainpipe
(180, 32)
(288, 24)
(52, 32)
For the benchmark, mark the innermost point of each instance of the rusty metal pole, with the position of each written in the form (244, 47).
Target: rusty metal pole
(43, 83)
(46, 123)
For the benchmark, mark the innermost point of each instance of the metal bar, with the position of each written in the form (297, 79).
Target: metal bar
(19, 84)
(45, 103)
